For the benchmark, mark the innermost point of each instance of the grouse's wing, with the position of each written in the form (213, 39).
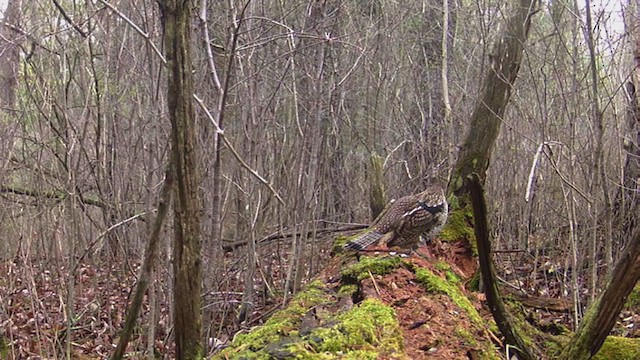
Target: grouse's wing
(385, 223)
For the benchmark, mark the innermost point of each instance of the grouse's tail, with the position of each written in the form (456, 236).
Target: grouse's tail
(363, 241)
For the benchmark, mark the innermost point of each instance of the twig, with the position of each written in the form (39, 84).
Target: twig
(31, 38)
(527, 194)
(199, 101)
(207, 40)
(234, 152)
(566, 181)
(384, 164)
(50, 195)
(104, 233)
(146, 269)
(136, 28)
(375, 285)
(534, 165)
(68, 18)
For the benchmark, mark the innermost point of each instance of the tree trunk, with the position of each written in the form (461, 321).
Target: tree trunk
(505, 59)
(187, 264)
(9, 56)
(9, 64)
(627, 199)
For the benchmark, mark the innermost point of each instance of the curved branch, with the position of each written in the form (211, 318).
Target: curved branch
(494, 300)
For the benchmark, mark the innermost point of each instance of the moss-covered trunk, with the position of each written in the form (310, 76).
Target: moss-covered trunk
(602, 315)
(505, 59)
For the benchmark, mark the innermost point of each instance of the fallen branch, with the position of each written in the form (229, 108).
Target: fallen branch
(56, 195)
(279, 235)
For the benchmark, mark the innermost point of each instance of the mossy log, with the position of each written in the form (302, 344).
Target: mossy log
(357, 309)
(335, 318)
(319, 323)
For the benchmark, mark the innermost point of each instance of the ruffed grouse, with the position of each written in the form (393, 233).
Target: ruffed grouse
(403, 221)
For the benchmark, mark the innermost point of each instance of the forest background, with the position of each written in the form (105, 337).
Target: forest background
(297, 107)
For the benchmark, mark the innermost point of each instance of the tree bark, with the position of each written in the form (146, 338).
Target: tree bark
(187, 262)
(9, 57)
(627, 200)
(599, 170)
(9, 63)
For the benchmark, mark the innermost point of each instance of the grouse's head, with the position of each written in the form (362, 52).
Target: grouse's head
(433, 196)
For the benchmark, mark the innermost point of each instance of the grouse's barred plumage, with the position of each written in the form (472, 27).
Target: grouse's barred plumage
(403, 221)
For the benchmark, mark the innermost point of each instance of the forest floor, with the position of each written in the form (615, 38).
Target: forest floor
(33, 309)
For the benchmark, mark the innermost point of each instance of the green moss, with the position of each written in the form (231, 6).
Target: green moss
(436, 284)
(456, 183)
(614, 347)
(283, 324)
(339, 242)
(579, 346)
(474, 283)
(452, 277)
(350, 355)
(442, 266)
(367, 331)
(371, 327)
(619, 348)
(467, 336)
(347, 290)
(459, 225)
(492, 326)
(491, 354)
(487, 351)
(373, 265)
(553, 347)
(446, 268)
(454, 202)
(314, 293)
(529, 329)
(633, 301)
